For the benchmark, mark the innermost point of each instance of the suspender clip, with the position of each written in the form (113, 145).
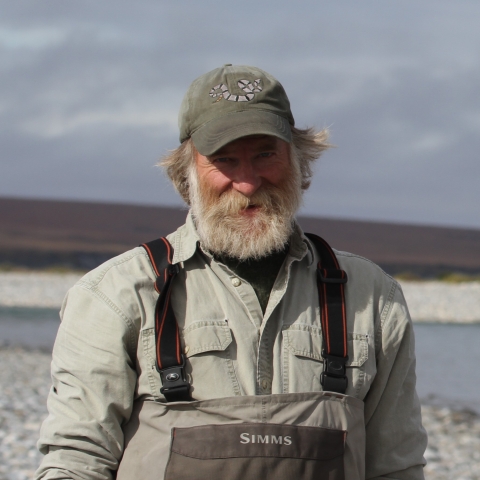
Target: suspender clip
(175, 385)
(334, 375)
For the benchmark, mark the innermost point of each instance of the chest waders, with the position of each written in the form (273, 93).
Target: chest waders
(294, 436)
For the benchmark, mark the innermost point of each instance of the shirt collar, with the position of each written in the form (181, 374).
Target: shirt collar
(300, 245)
(187, 241)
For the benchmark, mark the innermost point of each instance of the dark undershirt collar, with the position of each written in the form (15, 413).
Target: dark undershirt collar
(260, 273)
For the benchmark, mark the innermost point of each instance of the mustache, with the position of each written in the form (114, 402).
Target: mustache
(231, 202)
(235, 201)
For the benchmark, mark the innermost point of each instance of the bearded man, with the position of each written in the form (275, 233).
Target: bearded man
(237, 347)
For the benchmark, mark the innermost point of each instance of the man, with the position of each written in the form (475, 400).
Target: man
(251, 312)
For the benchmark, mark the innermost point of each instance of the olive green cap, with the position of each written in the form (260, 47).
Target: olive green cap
(231, 102)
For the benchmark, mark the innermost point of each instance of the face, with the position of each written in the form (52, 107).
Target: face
(245, 166)
(244, 197)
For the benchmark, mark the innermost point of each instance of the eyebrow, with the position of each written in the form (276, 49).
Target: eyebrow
(266, 144)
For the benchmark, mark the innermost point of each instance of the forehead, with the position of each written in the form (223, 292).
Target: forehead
(252, 142)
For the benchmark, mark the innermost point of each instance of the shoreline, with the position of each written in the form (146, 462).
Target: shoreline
(428, 301)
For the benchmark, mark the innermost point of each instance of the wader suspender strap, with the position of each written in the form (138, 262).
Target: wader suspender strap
(170, 361)
(330, 283)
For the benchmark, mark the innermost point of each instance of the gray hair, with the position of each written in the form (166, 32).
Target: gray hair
(307, 145)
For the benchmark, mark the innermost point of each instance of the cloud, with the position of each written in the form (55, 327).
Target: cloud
(89, 94)
(431, 142)
(26, 38)
(53, 125)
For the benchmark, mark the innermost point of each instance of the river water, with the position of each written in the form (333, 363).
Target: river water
(448, 364)
(448, 355)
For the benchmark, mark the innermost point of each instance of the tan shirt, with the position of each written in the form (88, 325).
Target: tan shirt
(104, 360)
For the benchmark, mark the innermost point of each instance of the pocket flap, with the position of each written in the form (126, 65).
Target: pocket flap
(264, 451)
(306, 341)
(357, 349)
(207, 336)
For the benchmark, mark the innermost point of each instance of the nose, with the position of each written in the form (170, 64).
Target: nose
(247, 181)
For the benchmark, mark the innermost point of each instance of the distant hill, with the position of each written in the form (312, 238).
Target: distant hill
(43, 233)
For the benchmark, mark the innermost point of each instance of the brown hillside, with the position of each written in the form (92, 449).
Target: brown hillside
(39, 233)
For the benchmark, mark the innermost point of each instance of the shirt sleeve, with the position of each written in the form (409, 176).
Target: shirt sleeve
(395, 437)
(94, 378)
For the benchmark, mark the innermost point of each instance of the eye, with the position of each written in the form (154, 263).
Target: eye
(223, 162)
(265, 154)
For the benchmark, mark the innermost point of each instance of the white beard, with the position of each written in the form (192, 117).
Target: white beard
(223, 229)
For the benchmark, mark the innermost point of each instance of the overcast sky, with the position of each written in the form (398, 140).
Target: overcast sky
(89, 94)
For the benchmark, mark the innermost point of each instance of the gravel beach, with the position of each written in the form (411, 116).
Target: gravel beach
(454, 434)
(35, 289)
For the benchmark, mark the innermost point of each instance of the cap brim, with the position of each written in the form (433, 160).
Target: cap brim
(215, 134)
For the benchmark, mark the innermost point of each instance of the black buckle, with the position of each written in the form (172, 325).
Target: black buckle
(334, 378)
(173, 378)
(332, 276)
(173, 269)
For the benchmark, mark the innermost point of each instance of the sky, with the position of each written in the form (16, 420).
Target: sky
(90, 90)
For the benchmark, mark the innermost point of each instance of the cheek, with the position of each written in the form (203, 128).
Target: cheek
(215, 182)
(210, 177)
(278, 174)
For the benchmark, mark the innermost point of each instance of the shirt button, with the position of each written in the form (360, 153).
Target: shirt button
(265, 384)
(236, 282)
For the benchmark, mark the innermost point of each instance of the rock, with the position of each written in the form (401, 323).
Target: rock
(443, 302)
(35, 289)
(454, 435)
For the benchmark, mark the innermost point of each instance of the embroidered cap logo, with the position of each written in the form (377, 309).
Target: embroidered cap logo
(220, 91)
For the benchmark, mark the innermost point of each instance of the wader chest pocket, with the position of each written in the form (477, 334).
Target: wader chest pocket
(251, 451)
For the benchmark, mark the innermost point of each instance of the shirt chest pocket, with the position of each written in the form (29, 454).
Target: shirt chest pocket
(303, 361)
(207, 346)
(210, 350)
